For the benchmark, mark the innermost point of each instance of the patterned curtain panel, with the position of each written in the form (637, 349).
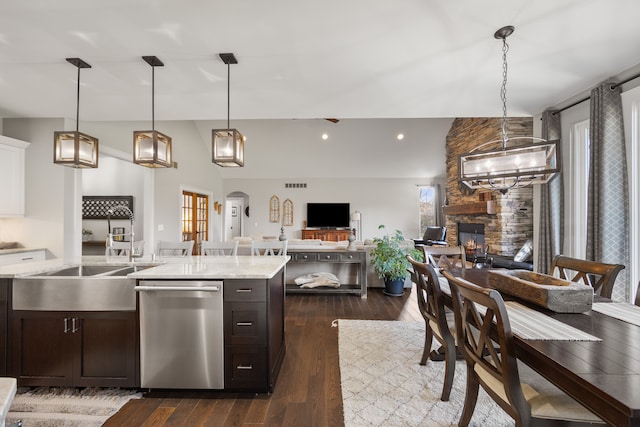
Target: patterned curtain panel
(551, 229)
(608, 210)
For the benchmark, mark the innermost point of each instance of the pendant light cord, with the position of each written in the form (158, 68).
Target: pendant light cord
(78, 104)
(503, 93)
(153, 98)
(228, 92)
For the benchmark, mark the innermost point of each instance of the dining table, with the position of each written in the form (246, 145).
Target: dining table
(602, 374)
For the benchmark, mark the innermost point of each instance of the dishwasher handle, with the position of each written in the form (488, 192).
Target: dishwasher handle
(177, 288)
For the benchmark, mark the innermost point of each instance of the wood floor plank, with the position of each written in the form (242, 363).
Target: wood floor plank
(308, 390)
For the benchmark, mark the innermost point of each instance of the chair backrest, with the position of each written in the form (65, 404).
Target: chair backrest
(434, 233)
(219, 248)
(123, 248)
(446, 257)
(166, 248)
(275, 247)
(430, 298)
(598, 275)
(486, 340)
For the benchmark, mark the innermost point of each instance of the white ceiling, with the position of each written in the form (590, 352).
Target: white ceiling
(307, 59)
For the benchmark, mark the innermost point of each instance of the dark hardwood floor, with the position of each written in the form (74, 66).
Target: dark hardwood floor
(307, 392)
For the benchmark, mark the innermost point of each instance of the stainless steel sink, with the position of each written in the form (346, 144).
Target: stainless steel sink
(83, 270)
(78, 288)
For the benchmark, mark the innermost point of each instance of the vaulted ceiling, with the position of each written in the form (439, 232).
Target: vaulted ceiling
(307, 59)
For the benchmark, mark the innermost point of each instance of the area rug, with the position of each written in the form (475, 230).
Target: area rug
(67, 407)
(383, 383)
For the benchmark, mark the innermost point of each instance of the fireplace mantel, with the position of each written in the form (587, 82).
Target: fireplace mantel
(474, 208)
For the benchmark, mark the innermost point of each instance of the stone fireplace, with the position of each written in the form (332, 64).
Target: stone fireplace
(506, 220)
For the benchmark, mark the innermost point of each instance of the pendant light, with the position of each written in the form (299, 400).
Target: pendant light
(150, 147)
(228, 144)
(518, 162)
(73, 148)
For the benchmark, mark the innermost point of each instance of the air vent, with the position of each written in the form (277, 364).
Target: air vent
(295, 185)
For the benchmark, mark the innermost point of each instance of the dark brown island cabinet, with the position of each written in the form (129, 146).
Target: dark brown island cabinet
(80, 349)
(253, 332)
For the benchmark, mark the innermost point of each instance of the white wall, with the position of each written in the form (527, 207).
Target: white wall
(390, 202)
(42, 226)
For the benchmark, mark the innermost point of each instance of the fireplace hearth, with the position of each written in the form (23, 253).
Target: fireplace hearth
(471, 237)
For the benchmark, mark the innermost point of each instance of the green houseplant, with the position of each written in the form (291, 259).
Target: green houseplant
(389, 261)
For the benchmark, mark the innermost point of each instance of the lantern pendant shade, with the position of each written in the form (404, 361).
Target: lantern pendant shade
(74, 148)
(517, 166)
(228, 147)
(152, 149)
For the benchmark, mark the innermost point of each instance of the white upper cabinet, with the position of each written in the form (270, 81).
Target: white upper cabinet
(12, 169)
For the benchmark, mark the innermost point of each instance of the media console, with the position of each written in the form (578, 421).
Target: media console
(330, 235)
(349, 266)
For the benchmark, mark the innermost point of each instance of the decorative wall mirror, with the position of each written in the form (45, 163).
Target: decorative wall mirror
(287, 212)
(274, 209)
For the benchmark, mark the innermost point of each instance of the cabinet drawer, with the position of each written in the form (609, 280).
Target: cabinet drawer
(328, 256)
(245, 323)
(245, 290)
(245, 367)
(304, 256)
(352, 256)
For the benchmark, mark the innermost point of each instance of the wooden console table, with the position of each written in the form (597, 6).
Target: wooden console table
(306, 261)
(327, 235)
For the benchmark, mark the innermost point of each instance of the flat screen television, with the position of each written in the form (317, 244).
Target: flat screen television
(328, 215)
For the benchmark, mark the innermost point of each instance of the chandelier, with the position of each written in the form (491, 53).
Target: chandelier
(509, 162)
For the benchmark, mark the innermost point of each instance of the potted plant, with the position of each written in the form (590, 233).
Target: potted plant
(86, 234)
(389, 260)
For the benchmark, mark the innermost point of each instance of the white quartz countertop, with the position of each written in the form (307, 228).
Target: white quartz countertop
(210, 267)
(215, 267)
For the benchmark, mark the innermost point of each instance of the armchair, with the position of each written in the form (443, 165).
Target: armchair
(432, 236)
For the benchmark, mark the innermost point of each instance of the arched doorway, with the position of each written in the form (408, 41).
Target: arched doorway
(236, 211)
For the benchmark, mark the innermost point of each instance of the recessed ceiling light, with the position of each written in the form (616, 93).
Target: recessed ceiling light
(325, 136)
(400, 136)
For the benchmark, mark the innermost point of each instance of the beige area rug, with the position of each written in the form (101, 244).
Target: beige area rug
(67, 407)
(383, 383)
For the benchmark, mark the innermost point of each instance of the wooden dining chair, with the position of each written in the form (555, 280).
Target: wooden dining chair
(446, 257)
(275, 247)
(600, 276)
(439, 322)
(209, 248)
(123, 248)
(167, 248)
(486, 339)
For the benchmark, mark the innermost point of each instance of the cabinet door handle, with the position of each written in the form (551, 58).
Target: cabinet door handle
(74, 328)
(245, 367)
(244, 290)
(244, 323)
(66, 325)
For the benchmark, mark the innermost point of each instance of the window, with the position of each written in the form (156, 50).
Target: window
(427, 210)
(579, 188)
(195, 218)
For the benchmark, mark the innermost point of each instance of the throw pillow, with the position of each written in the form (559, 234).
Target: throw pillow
(525, 253)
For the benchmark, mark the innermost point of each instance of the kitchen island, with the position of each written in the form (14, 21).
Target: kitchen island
(252, 327)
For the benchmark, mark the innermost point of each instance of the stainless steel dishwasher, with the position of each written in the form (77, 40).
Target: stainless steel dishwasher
(181, 334)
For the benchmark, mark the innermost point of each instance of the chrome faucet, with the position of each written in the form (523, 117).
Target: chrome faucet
(110, 235)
